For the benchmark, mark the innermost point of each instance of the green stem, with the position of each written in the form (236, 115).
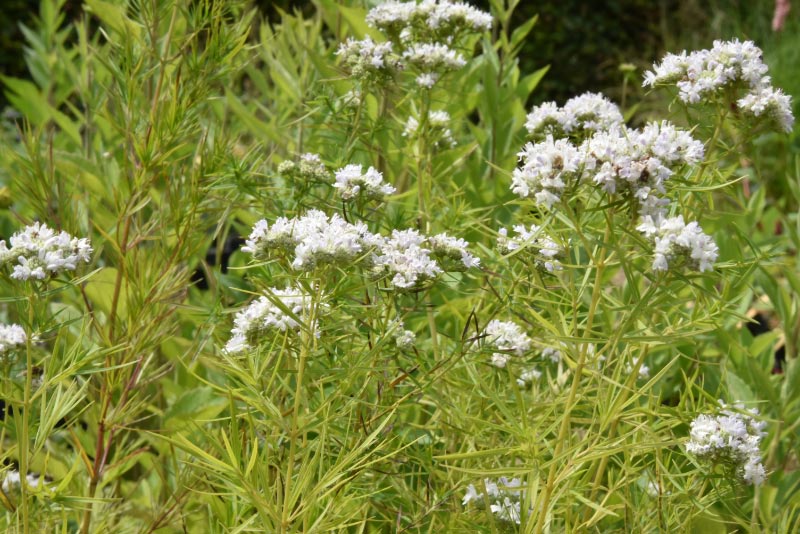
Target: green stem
(308, 339)
(423, 180)
(599, 261)
(26, 408)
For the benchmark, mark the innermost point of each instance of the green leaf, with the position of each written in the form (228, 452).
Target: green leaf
(738, 389)
(100, 292)
(27, 99)
(194, 406)
(529, 83)
(708, 524)
(113, 16)
(521, 32)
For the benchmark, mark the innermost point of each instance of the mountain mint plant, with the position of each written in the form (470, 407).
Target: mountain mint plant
(330, 271)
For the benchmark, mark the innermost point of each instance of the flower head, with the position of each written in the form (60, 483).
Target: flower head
(547, 169)
(533, 243)
(40, 252)
(311, 241)
(308, 168)
(581, 115)
(268, 314)
(351, 182)
(368, 60)
(731, 437)
(12, 336)
(438, 131)
(505, 497)
(729, 67)
(508, 337)
(673, 239)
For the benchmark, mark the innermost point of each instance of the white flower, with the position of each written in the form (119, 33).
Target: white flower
(438, 131)
(367, 59)
(769, 102)
(265, 315)
(554, 355)
(731, 437)
(500, 360)
(12, 336)
(644, 372)
(434, 59)
(351, 180)
(404, 339)
(546, 118)
(547, 169)
(527, 376)
(427, 79)
(535, 243)
(391, 15)
(452, 253)
(508, 337)
(640, 161)
(728, 65)
(404, 257)
(40, 251)
(309, 167)
(505, 497)
(704, 72)
(673, 238)
(430, 18)
(312, 240)
(589, 112)
(13, 479)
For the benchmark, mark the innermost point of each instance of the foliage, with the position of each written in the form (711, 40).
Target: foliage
(335, 374)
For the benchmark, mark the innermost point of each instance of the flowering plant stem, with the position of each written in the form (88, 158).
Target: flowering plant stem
(424, 186)
(599, 262)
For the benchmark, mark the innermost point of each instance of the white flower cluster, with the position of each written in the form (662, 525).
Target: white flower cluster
(264, 315)
(404, 339)
(534, 243)
(351, 181)
(674, 239)
(584, 114)
(13, 479)
(771, 103)
(618, 159)
(554, 355)
(39, 251)
(527, 376)
(547, 169)
(640, 161)
(452, 253)
(438, 132)
(423, 33)
(314, 240)
(728, 65)
(369, 60)
(433, 59)
(437, 19)
(404, 257)
(731, 437)
(12, 336)
(309, 168)
(508, 337)
(623, 161)
(505, 497)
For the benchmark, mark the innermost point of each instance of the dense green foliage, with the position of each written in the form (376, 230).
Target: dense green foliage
(163, 130)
